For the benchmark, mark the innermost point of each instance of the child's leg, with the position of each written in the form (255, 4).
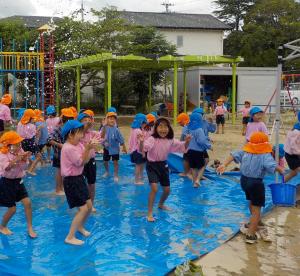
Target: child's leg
(106, 166)
(76, 223)
(59, 183)
(218, 128)
(202, 170)
(81, 228)
(49, 154)
(244, 129)
(6, 218)
(186, 167)
(138, 173)
(163, 198)
(196, 177)
(254, 220)
(116, 170)
(151, 199)
(142, 172)
(28, 213)
(291, 174)
(38, 158)
(92, 190)
(223, 127)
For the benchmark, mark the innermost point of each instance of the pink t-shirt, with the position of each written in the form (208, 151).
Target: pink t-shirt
(292, 142)
(159, 149)
(5, 113)
(255, 127)
(148, 133)
(17, 171)
(52, 123)
(27, 131)
(133, 139)
(71, 159)
(246, 111)
(88, 136)
(220, 110)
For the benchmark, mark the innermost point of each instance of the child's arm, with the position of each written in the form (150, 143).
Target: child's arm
(221, 169)
(21, 157)
(124, 149)
(87, 148)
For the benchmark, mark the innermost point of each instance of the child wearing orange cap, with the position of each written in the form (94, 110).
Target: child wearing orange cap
(219, 113)
(56, 140)
(148, 129)
(113, 139)
(183, 120)
(27, 130)
(13, 163)
(5, 114)
(256, 160)
(42, 131)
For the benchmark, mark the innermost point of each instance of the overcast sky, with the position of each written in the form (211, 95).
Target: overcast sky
(65, 7)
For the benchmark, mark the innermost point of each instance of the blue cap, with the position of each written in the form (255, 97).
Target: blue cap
(82, 116)
(255, 110)
(139, 119)
(198, 110)
(298, 116)
(112, 109)
(20, 113)
(70, 125)
(297, 126)
(50, 110)
(154, 114)
(196, 121)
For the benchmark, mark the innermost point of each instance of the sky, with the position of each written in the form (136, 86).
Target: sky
(66, 7)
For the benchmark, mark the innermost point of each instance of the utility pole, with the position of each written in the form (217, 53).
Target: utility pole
(166, 4)
(82, 11)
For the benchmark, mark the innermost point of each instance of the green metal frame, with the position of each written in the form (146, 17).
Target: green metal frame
(108, 61)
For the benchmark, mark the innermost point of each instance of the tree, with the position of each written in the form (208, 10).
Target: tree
(233, 11)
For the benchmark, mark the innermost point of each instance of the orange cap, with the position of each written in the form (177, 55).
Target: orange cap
(183, 118)
(6, 99)
(38, 115)
(111, 114)
(74, 110)
(28, 114)
(150, 118)
(258, 144)
(9, 138)
(89, 112)
(67, 112)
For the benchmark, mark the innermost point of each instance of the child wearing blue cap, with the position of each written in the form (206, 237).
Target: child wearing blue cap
(74, 155)
(52, 122)
(256, 123)
(138, 125)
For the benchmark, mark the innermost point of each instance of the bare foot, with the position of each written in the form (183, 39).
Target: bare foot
(150, 219)
(60, 193)
(196, 185)
(31, 173)
(116, 179)
(138, 182)
(164, 207)
(106, 174)
(183, 174)
(204, 178)
(94, 210)
(32, 234)
(190, 176)
(5, 231)
(74, 241)
(84, 232)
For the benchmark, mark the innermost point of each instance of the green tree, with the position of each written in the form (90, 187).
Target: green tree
(233, 11)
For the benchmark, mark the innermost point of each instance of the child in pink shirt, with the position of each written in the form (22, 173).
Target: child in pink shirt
(13, 163)
(246, 116)
(158, 146)
(52, 123)
(27, 130)
(5, 114)
(74, 156)
(219, 113)
(137, 128)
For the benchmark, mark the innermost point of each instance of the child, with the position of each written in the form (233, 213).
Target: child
(56, 141)
(256, 160)
(74, 110)
(52, 122)
(13, 163)
(246, 116)
(256, 124)
(137, 127)
(281, 154)
(148, 130)
(90, 167)
(90, 113)
(292, 151)
(74, 156)
(5, 114)
(183, 119)
(112, 141)
(27, 130)
(219, 113)
(198, 146)
(158, 146)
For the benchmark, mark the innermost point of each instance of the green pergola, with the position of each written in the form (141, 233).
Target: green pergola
(108, 62)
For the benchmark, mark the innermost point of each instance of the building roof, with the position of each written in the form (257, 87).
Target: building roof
(174, 20)
(33, 22)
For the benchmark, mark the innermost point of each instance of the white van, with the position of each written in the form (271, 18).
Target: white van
(294, 89)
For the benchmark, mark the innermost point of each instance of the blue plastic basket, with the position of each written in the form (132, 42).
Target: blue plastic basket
(283, 194)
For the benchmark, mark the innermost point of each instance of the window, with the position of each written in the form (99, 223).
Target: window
(179, 41)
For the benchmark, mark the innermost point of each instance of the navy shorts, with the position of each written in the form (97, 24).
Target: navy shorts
(11, 191)
(30, 145)
(41, 147)
(205, 154)
(246, 120)
(107, 157)
(89, 171)
(56, 160)
(76, 190)
(196, 159)
(292, 160)
(254, 189)
(220, 119)
(137, 158)
(158, 172)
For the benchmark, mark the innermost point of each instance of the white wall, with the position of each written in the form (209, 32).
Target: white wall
(196, 42)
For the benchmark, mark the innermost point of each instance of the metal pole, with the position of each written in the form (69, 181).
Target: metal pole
(42, 92)
(150, 91)
(37, 89)
(14, 80)
(78, 87)
(57, 90)
(109, 62)
(175, 95)
(233, 92)
(184, 91)
(105, 91)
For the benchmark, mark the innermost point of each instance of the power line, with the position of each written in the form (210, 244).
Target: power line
(167, 5)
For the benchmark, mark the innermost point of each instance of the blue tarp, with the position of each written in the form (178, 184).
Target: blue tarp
(122, 241)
